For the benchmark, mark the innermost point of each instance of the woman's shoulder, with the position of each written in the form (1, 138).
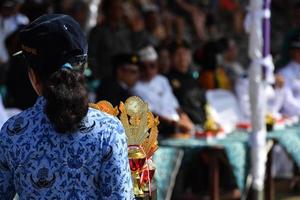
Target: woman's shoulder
(18, 124)
(104, 125)
(103, 118)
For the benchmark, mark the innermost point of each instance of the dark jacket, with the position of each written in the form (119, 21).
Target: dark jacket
(191, 98)
(112, 91)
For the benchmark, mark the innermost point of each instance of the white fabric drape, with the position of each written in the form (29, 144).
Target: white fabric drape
(257, 85)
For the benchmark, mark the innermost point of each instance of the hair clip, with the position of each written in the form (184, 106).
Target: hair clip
(67, 66)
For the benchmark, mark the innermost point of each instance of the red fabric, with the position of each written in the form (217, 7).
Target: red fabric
(229, 5)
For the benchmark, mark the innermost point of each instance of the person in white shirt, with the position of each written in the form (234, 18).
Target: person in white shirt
(228, 59)
(275, 97)
(291, 75)
(157, 92)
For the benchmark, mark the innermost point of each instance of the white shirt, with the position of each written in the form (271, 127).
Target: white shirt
(291, 74)
(275, 98)
(159, 96)
(7, 26)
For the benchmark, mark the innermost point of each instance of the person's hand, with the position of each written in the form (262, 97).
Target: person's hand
(279, 81)
(185, 124)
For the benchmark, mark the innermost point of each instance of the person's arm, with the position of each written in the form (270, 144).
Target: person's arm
(7, 190)
(115, 177)
(291, 104)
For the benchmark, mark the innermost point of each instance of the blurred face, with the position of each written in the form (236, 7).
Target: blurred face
(152, 21)
(81, 16)
(164, 61)
(135, 19)
(129, 74)
(7, 11)
(295, 53)
(231, 54)
(182, 59)
(149, 70)
(116, 10)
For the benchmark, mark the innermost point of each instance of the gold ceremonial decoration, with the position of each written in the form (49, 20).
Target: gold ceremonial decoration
(106, 107)
(140, 126)
(150, 144)
(139, 123)
(93, 105)
(134, 114)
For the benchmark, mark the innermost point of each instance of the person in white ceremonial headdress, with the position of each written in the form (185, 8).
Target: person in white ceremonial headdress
(157, 92)
(291, 75)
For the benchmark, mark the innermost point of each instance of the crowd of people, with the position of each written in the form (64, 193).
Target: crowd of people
(170, 53)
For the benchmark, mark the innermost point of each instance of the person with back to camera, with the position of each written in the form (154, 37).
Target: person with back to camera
(60, 148)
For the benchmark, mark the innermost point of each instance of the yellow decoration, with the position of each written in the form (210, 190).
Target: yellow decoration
(134, 119)
(222, 79)
(210, 124)
(141, 129)
(270, 119)
(139, 123)
(150, 144)
(93, 105)
(106, 107)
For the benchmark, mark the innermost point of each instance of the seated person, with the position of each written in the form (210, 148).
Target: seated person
(275, 97)
(157, 92)
(291, 75)
(228, 59)
(118, 88)
(213, 74)
(185, 87)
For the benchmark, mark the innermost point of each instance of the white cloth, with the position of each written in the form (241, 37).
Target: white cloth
(7, 26)
(275, 99)
(225, 108)
(159, 96)
(291, 74)
(3, 114)
(241, 89)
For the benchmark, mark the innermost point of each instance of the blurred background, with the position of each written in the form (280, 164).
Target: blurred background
(170, 53)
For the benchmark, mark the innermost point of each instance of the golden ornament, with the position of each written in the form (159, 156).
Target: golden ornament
(106, 107)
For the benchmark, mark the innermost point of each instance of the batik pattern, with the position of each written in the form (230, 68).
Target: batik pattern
(38, 163)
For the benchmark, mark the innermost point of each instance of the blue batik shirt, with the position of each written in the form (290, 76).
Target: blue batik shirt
(38, 163)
